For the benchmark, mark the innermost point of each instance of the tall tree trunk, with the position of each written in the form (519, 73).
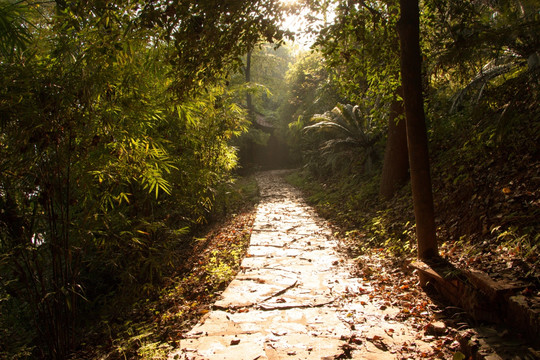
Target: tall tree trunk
(411, 75)
(395, 172)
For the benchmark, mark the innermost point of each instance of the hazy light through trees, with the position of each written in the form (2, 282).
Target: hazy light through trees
(306, 24)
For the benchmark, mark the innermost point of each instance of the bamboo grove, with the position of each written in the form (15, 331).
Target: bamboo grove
(116, 128)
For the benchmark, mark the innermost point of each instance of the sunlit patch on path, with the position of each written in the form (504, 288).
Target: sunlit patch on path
(295, 297)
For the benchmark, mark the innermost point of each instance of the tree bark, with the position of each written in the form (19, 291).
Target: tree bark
(411, 75)
(395, 172)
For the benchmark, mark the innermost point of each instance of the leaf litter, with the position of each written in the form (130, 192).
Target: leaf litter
(384, 310)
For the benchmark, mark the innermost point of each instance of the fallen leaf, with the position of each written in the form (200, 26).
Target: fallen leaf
(379, 344)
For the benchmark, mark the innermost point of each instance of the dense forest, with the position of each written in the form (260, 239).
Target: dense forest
(128, 127)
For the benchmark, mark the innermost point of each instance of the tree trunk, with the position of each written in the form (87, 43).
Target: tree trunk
(395, 172)
(411, 75)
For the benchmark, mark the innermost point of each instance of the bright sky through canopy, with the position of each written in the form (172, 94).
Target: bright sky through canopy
(288, 2)
(299, 24)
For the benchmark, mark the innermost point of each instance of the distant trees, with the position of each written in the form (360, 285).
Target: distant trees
(262, 81)
(309, 92)
(210, 37)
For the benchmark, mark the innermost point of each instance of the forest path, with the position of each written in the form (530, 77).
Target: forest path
(295, 297)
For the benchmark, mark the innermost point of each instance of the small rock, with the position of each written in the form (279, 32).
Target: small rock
(235, 341)
(436, 328)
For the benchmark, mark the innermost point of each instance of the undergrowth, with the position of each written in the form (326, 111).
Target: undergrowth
(485, 173)
(150, 325)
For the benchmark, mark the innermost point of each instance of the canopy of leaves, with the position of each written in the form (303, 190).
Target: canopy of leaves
(361, 50)
(209, 37)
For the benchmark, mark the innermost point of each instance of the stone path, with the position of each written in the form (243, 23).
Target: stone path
(292, 298)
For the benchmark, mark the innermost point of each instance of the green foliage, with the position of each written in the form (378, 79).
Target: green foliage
(514, 239)
(360, 63)
(474, 32)
(103, 169)
(262, 95)
(309, 93)
(146, 329)
(479, 63)
(14, 28)
(480, 45)
(361, 50)
(268, 68)
(235, 195)
(216, 36)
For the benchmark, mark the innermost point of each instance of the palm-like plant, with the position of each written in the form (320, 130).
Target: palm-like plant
(347, 129)
(502, 36)
(14, 32)
(501, 65)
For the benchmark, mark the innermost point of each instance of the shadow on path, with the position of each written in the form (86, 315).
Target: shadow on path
(292, 298)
